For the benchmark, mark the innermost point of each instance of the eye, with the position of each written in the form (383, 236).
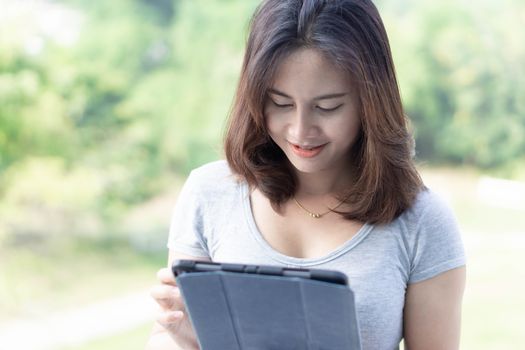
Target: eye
(279, 105)
(329, 109)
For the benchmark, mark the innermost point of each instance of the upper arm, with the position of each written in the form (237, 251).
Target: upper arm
(432, 313)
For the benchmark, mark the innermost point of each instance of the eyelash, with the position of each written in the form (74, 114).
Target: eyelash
(329, 109)
(281, 106)
(320, 108)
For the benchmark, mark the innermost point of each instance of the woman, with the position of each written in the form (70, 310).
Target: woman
(319, 173)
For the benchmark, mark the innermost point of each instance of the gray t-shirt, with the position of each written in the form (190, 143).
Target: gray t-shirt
(213, 218)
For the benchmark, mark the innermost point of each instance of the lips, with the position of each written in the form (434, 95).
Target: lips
(306, 151)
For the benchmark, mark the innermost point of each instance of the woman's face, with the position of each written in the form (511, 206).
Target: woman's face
(312, 112)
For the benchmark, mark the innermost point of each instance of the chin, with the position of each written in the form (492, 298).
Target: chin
(306, 168)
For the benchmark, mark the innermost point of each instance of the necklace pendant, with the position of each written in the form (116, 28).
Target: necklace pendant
(315, 216)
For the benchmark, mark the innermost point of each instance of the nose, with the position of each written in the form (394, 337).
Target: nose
(302, 125)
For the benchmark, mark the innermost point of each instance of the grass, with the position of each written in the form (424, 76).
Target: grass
(134, 339)
(460, 188)
(39, 280)
(494, 302)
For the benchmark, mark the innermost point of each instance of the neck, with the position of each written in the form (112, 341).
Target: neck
(324, 183)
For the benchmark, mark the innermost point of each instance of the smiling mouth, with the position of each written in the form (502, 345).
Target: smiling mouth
(307, 151)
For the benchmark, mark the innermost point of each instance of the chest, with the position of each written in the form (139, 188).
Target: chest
(294, 233)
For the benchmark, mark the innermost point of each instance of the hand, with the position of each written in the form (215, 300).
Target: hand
(173, 316)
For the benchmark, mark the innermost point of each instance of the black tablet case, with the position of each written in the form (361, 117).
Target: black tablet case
(235, 311)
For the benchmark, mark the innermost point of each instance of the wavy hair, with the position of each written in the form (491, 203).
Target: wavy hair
(350, 33)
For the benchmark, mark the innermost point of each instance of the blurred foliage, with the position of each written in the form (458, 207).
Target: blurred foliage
(103, 104)
(96, 123)
(461, 70)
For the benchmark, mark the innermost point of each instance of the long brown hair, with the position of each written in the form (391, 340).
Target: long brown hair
(351, 34)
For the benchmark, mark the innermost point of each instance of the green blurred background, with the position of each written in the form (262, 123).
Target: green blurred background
(105, 106)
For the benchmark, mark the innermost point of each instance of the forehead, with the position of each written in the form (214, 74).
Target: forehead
(307, 72)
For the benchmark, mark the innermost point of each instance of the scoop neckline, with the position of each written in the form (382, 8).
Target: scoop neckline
(290, 260)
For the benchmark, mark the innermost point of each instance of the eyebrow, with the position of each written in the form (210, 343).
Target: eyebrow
(322, 97)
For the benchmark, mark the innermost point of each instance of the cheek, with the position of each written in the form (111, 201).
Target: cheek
(346, 132)
(354, 129)
(353, 122)
(273, 123)
(273, 132)
(271, 129)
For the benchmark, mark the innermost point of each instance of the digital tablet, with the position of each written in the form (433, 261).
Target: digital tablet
(241, 306)
(331, 276)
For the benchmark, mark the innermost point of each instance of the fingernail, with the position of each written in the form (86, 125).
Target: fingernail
(176, 292)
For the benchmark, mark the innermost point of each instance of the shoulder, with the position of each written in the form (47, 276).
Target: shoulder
(428, 207)
(218, 169)
(213, 178)
(429, 222)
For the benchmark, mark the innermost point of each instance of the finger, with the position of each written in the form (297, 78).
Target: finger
(165, 276)
(170, 319)
(168, 297)
(164, 291)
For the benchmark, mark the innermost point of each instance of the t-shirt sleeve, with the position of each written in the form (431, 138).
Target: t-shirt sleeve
(438, 246)
(186, 228)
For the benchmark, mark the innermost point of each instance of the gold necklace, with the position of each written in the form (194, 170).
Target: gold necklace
(317, 215)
